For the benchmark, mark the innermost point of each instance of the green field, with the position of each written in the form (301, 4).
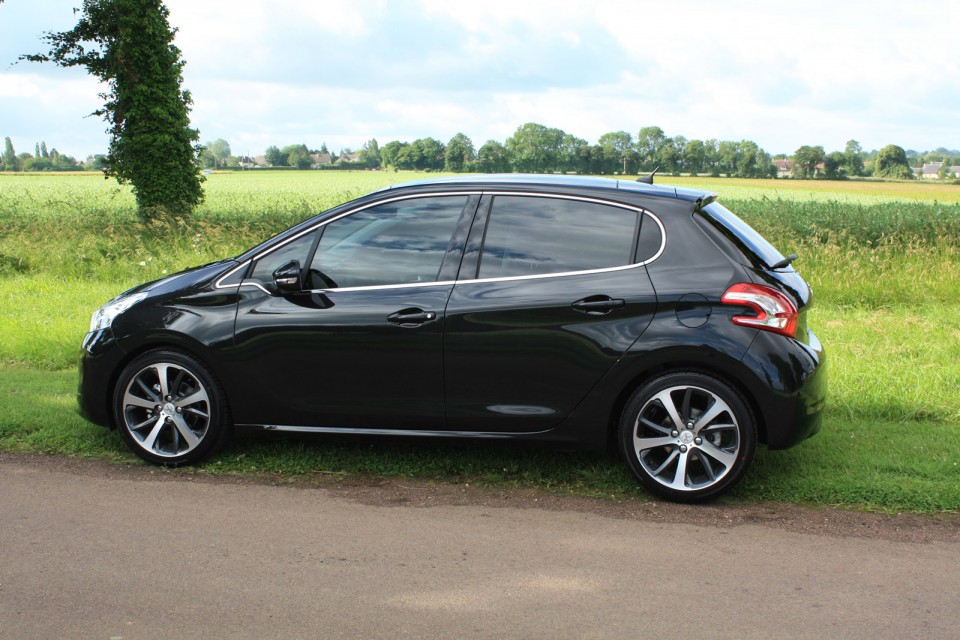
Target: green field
(882, 258)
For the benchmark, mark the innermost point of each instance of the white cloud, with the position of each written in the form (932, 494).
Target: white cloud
(343, 71)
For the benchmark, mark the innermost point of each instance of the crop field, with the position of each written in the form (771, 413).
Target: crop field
(882, 258)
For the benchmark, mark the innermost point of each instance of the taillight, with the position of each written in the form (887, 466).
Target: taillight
(774, 311)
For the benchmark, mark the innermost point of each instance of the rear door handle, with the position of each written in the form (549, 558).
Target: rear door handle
(412, 317)
(598, 305)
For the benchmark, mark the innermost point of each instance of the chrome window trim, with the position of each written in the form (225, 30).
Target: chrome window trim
(535, 194)
(559, 274)
(310, 229)
(419, 285)
(242, 265)
(369, 205)
(563, 274)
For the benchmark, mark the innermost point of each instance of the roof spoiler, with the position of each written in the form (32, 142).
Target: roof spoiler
(705, 200)
(648, 179)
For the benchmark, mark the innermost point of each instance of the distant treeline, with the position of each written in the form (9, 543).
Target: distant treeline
(43, 160)
(536, 148)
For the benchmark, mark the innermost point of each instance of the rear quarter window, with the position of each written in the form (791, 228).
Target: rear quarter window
(737, 237)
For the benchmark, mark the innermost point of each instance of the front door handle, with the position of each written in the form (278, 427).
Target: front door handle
(598, 305)
(412, 317)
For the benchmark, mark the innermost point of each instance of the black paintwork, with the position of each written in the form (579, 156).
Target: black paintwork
(549, 358)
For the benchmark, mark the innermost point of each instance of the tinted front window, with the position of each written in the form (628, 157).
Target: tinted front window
(297, 249)
(395, 243)
(529, 235)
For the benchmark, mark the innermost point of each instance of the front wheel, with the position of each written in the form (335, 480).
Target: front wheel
(687, 437)
(169, 408)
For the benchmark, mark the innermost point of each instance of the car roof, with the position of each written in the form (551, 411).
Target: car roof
(492, 180)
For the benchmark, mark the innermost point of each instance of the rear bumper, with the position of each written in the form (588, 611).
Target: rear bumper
(793, 392)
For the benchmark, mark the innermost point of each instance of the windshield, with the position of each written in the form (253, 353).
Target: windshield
(751, 244)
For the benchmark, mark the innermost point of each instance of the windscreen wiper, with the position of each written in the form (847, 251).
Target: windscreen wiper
(785, 262)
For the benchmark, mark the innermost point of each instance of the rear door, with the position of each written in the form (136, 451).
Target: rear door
(551, 292)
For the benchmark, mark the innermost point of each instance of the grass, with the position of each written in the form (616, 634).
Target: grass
(877, 464)
(882, 259)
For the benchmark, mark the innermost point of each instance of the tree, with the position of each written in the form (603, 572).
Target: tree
(388, 153)
(727, 153)
(853, 158)
(534, 148)
(128, 44)
(835, 166)
(10, 160)
(433, 153)
(43, 150)
(619, 145)
(649, 141)
(574, 155)
(460, 153)
(274, 157)
(493, 158)
(216, 153)
(805, 161)
(892, 163)
(694, 156)
(297, 155)
(370, 154)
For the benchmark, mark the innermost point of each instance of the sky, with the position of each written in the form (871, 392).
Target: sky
(279, 72)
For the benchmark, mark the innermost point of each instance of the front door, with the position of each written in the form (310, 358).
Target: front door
(361, 345)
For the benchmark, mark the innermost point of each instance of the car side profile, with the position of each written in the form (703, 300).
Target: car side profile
(578, 311)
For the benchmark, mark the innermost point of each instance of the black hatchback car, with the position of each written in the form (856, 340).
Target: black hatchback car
(571, 310)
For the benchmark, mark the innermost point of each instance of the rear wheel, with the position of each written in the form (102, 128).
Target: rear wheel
(169, 408)
(687, 437)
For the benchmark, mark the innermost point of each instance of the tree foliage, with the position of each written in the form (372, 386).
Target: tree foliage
(805, 161)
(619, 145)
(492, 158)
(216, 153)
(892, 163)
(10, 160)
(274, 157)
(128, 44)
(370, 154)
(459, 154)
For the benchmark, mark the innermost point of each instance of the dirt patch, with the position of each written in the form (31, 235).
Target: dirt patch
(392, 492)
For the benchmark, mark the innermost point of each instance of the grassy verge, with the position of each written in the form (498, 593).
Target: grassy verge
(873, 464)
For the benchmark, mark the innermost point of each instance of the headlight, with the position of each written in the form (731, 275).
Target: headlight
(104, 316)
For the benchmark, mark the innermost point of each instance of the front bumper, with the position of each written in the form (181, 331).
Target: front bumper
(99, 361)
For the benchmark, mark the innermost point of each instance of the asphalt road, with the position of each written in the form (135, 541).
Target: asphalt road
(85, 555)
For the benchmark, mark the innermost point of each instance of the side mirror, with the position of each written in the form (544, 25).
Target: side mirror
(287, 277)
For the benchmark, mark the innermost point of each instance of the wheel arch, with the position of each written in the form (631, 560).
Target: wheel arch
(173, 342)
(724, 373)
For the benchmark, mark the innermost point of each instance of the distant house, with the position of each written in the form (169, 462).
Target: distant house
(784, 168)
(246, 162)
(931, 170)
(320, 160)
(350, 157)
(260, 161)
(954, 170)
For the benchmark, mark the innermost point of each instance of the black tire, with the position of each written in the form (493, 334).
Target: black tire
(170, 409)
(687, 436)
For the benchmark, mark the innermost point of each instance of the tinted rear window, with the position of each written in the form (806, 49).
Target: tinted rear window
(530, 235)
(751, 244)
